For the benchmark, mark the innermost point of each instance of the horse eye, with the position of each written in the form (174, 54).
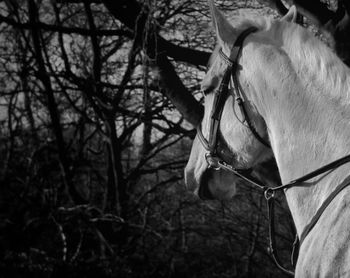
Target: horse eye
(206, 91)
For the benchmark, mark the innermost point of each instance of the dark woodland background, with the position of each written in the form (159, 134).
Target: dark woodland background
(98, 99)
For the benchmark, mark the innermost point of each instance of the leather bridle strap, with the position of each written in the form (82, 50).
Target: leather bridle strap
(322, 208)
(220, 98)
(328, 167)
(241, 106)
(269, 194)
(272, 238)
(237, 86)
(218, 107)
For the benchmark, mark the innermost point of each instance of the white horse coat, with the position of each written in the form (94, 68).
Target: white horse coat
(298, 95)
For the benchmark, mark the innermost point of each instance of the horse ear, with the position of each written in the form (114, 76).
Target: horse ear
(225, 32)
(291, 16)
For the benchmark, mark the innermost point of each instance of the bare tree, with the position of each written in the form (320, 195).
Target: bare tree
(98, 104)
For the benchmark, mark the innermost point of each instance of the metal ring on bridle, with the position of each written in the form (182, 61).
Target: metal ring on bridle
(213, 161)
(269, 193)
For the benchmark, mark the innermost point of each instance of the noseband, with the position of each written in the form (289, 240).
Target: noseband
(215, 161)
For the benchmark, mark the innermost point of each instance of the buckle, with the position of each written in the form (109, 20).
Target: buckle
(213, 161)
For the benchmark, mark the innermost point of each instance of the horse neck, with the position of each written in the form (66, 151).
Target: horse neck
(309, 126)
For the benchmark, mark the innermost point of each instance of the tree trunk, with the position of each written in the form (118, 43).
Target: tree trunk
(69, 190)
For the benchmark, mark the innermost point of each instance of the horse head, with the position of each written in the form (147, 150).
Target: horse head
(236, 143)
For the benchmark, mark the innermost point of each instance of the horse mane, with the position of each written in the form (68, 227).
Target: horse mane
(307, 53)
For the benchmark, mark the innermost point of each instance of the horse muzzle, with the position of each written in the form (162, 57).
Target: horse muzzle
(198, 182)
(204, 192)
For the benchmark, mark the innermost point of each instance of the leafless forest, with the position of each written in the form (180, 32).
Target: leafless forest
(98, 100)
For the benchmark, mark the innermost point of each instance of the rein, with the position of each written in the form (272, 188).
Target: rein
(216, 162)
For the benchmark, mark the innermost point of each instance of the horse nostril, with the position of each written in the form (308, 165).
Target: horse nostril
(204, 192)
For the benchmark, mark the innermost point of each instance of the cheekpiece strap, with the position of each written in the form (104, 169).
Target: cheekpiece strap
(226, 59)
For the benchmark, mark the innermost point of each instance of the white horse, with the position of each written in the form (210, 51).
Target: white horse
(297, 96)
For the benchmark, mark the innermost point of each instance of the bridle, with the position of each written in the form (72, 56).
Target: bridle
(215, 161)
(213, 156)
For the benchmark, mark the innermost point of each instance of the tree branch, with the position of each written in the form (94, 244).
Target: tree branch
(52, 107)
(314, 10)
(62, 29)
(129, 13)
